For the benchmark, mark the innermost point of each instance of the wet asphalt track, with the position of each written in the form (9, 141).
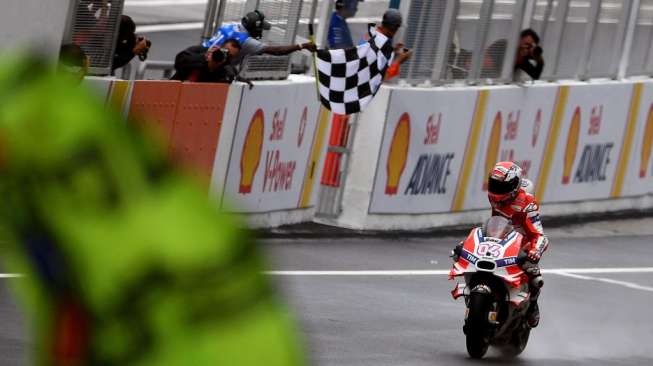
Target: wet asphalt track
(357, 320)
(363, 320)
(588, 319)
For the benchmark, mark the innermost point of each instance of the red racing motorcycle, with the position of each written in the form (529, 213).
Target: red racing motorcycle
(496, 288)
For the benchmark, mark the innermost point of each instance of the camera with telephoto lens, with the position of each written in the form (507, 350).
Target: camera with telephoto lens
(143, 55)
(537, 51)
(220, 55)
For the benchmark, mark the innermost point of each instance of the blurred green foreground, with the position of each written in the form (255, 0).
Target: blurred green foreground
(125, 261)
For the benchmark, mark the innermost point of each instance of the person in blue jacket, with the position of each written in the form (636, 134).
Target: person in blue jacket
(339, 35)
(248, 33)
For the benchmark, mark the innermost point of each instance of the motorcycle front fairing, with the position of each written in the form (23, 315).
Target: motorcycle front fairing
(493, 255)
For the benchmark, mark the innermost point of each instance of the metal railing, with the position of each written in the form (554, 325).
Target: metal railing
(470, 41)
(462, 40)
(93, 25)
(475, 41)
(640, 57)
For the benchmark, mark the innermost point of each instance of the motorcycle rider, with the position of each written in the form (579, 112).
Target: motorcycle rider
(511, 196)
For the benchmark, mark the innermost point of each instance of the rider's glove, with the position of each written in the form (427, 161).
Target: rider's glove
(534, 255)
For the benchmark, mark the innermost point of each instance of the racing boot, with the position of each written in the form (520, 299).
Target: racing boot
(533, 314)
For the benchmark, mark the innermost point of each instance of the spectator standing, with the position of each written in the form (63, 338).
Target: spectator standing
(249, 33)
(339, 35)
(529, 62)
(129, 44)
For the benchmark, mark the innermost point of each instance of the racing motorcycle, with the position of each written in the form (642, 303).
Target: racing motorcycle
(496, 288)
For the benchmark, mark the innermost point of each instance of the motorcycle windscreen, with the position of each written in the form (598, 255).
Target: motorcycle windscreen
(497, 227)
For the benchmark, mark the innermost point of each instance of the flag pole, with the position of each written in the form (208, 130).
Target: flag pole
(311, 38)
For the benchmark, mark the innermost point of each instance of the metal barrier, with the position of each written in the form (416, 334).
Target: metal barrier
(462, 40)
(93, 25)
(640, 58)
(266, 67)
(472, 41)
(168, 68)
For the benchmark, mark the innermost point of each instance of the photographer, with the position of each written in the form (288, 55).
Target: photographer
(249, 33)
(129, 44)
(529, 63)
(199, 64)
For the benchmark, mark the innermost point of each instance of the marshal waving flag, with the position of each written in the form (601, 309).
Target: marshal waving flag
(349, 78)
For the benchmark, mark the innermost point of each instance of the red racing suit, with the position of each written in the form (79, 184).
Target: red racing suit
(524, 212)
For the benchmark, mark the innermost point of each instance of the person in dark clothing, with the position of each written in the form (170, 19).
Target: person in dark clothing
(493, 59)
(339, 35)
(529, 61)
(129, 44)
(73, 61)
(213, 65)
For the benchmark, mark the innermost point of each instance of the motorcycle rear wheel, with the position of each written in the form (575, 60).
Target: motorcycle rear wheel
(477, 340)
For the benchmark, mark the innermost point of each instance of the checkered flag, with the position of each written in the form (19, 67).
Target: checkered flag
(349, 78)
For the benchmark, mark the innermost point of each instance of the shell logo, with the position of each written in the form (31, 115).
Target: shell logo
(494, 142)
(251, 156)
(572, 147)
(646, 144)
(398, 154)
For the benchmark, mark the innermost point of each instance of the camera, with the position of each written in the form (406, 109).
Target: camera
(220, 55)
(143, 55)
(537, 51)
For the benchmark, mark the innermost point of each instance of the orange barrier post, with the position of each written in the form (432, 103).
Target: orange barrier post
(338, 138)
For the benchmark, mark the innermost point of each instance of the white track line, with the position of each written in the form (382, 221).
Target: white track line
(10, 275)
(440, 272)
(606, 280)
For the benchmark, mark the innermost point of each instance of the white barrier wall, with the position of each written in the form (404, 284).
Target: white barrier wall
(267, 145)
(420, 157)
(422, 150)
(586, 146)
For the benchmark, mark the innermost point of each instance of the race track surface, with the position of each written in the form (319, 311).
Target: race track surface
(361, 319)
(595, 304)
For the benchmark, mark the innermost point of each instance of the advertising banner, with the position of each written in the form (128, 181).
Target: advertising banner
(514, 128)
(275, 132)
(422, 150)
(638, 175)
(589, 141)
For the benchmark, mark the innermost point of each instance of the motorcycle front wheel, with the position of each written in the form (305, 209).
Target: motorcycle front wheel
(476, 325)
